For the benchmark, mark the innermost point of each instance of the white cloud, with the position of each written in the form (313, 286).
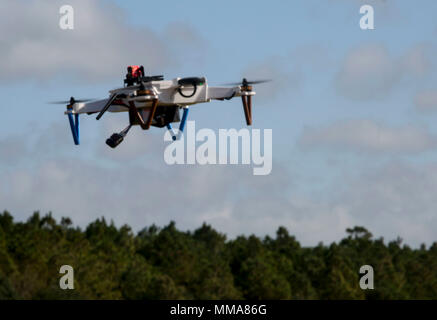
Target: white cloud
(416, 61)
(18, 148)
(368, 136)
(370, 72)
(367, 73)
(426, 100)
(101, 45)
(288, 71)
(12, 149)
(394, 200)
(284, 76)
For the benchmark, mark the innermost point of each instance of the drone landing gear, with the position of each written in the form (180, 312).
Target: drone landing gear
(247, 107)
(74, 125)
(181, 125)
(117, 138)
(170, 128)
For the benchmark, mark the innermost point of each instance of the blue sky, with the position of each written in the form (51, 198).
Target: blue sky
(353, 115)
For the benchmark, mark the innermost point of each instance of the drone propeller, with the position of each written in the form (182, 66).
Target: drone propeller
(246, 97)
(246, 83)
(70, 102)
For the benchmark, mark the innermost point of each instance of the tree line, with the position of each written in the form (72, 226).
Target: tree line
(166, 263)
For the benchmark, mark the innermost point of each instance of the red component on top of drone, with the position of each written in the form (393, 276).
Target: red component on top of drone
(136, 71)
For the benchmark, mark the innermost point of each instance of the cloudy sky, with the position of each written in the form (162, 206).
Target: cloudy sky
(353, 115)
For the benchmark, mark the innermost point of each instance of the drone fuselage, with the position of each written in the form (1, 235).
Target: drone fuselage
(166, 91)
(152, 102)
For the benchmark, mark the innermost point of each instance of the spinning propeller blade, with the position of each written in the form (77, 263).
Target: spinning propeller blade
(246, 83)
(71, 101)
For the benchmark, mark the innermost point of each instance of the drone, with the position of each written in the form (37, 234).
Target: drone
(153, 101)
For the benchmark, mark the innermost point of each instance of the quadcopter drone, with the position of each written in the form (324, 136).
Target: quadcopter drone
(153, 101)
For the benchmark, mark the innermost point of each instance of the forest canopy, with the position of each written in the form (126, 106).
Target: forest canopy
(166, 263)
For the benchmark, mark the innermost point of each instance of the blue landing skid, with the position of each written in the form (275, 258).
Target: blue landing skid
(181, 125)
(74, 125)
(170, 128)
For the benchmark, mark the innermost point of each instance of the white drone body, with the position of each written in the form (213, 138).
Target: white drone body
(153, 101)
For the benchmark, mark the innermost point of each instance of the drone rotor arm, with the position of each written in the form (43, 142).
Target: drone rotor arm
(107, 105)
